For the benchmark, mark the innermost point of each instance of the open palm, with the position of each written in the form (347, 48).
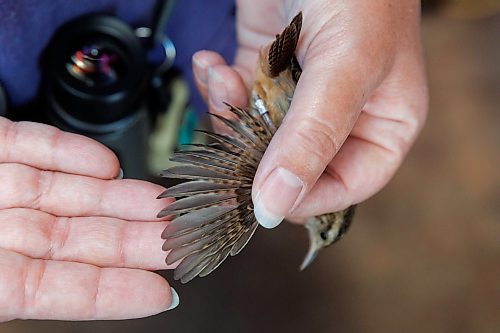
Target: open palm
(75, 243)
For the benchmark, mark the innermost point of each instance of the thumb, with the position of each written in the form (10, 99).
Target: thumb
(322, 114)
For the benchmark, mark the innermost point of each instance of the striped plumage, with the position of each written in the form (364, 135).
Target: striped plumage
(214, 209)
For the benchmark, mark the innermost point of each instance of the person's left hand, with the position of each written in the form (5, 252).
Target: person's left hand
(75, 243)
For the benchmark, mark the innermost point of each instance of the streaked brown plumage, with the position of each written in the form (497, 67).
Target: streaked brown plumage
(214, 209)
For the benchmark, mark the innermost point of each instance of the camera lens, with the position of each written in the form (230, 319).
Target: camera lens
(96, 64)
(95, 79)
(96, 72)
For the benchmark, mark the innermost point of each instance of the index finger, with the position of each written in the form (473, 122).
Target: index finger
(48, 148)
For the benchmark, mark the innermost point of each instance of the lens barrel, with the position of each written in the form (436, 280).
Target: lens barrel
(96, 75)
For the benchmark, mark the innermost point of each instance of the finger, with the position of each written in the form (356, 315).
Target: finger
(202, 62)
(323, 112)
(358, 171)
(62, 194)
(100, 241)
(46, 289)
(218, 84)
(382, 136)
(225, 85)
(46, 147)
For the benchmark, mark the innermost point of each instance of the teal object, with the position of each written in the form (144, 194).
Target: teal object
(189, 124)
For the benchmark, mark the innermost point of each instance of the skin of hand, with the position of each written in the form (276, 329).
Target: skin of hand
(358, 107)
(75, 243)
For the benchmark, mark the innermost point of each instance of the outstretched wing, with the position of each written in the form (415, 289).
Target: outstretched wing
(214, 210)
(214, 215)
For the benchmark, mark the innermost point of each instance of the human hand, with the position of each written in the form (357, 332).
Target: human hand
(358, 107)
(75, 243)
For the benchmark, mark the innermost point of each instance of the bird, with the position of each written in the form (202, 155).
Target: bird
(213, 215)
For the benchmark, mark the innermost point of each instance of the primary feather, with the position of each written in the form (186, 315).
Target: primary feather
(214, 215)
(214, 209)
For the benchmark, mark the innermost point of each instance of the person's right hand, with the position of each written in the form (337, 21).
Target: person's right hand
(75, 243)
(358, 107)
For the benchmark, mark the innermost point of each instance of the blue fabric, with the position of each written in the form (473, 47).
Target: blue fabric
(27, 26)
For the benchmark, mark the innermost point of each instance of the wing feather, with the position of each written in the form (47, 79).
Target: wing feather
(214, 209)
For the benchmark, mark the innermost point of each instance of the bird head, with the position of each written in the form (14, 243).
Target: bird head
(324, 230)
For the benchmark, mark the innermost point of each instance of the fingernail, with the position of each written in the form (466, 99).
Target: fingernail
(276, 197)
(200, 70)
(175, 299)
(120, 174)
(216, 89)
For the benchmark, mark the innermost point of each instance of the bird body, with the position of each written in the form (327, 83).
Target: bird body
(214, 215)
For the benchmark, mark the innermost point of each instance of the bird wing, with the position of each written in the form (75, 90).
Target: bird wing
(214, 215)
(214, 211)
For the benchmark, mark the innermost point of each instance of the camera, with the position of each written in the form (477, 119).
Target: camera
(97, 82)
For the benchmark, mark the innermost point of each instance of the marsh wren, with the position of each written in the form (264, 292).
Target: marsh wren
(214, 209)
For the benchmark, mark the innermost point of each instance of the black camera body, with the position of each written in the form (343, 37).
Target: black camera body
(96, 77)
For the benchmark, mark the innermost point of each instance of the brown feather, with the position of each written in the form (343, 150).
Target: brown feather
(214, 209)
(283, 48)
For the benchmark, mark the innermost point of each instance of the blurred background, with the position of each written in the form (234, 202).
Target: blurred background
(422, 256)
